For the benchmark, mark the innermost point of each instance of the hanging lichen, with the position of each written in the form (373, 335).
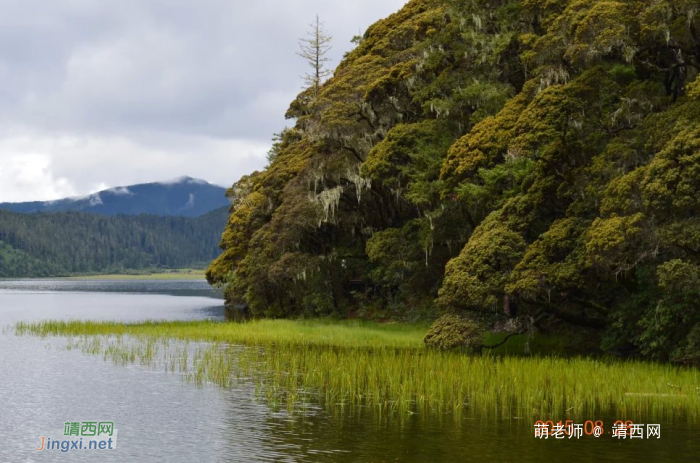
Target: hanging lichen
(361, 183)
(329, 201)
(553, 75)
(315, 177)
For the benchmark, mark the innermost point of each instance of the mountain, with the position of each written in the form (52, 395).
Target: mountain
(184, 196)
(526, 164)
(64, 243)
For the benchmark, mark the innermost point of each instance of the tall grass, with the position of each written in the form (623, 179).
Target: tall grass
(359, 365)
(353, 333)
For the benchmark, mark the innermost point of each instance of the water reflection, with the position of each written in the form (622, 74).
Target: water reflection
(366, 437)
(160, 417)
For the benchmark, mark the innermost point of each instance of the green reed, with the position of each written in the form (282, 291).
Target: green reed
(349, 367)
(258, 332)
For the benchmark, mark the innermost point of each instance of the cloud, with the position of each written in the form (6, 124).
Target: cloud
(114, 93)
(29, 176)
(120, 191)
(40, 167)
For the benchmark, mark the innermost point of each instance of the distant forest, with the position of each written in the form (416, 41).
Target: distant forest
(55, 244)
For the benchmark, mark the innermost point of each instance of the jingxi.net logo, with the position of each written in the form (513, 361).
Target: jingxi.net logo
(82, 435)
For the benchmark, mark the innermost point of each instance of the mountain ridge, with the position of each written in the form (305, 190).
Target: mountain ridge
(180, 197)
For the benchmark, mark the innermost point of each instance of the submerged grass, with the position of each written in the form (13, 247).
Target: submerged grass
(363, 365)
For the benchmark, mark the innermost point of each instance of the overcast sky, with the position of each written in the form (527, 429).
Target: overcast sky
(98, 93)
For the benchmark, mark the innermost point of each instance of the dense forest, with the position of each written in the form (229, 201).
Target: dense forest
(523, 163)
(64, 243)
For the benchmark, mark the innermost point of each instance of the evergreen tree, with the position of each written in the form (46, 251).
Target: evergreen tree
(314, 49)
(63, 243)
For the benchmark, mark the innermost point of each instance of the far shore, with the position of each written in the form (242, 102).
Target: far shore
(166, 275)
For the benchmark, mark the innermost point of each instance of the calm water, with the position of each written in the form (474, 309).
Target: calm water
(160, 417)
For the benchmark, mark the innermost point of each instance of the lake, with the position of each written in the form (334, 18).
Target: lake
(161, 417)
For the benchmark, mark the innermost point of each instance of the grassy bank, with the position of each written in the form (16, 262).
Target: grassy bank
(361, 365)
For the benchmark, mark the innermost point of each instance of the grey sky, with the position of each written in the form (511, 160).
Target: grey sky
(97, 93)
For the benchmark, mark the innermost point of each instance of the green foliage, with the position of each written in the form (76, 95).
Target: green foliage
(615, 164)
(491, 188)
(693, 89)
(408, 160)
(53, 244)
(612, 243)
(476, 279)
(667, 325)
(672, 179)
(452, 331)
(530, 158)
(486, 143)
(553, 263)
(18, 263)
(689, 351)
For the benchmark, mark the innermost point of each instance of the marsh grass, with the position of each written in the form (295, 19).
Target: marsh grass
(352, 366)
(356, 334)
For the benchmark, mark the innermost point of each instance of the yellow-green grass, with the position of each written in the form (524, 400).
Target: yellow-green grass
(357, 334)
(384, 367)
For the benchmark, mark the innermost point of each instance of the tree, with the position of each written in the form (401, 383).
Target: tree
(314, 49)
(529, 161)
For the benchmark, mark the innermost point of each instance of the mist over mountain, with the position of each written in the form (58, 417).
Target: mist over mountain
(181, 197)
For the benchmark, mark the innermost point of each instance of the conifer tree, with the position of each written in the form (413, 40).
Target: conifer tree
(314, 49)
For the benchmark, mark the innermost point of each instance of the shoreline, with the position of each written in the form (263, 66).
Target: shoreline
(166, 275)
(149, 276)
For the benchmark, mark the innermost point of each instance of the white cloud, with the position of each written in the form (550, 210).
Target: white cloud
(28, 175)
(95, 199)
(40, 167)
(103, 94)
